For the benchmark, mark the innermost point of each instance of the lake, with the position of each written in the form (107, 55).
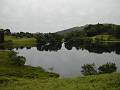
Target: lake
(67, 63)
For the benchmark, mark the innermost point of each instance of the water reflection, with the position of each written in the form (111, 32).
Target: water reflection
(95, 47)
(49, 47)
(68, 61)
(99, 47)
(10, 47)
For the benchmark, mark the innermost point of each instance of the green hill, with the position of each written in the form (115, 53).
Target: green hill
(70, 30)
(93, 29)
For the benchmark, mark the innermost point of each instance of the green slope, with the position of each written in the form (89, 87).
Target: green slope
(64, 32)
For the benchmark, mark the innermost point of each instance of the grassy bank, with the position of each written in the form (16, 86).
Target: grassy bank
(97, 82)
(18, 42)
(7, 68)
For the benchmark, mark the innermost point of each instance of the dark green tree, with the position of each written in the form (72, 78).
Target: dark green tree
(7, 32)
(117, 31)
(107, 68)
(18, 60)
(89, 69)
(1, 35)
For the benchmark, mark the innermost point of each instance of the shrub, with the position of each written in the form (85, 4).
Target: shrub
(1, 36)
(8, 44)
(89, 69)
(18, 60)
(12, 54)
(107, 68)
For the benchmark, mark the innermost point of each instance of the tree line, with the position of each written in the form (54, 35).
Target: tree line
(79, 36)
(7, 32)
(97, 29)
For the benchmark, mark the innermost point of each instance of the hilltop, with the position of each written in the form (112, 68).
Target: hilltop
(82, 28)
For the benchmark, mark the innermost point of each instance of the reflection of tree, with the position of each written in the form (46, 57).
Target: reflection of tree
(49, 47)
(2, 47)
(51, 69)
(28, 47)
(1, 36)
(9, 46)
(104, 47)
(97, 47)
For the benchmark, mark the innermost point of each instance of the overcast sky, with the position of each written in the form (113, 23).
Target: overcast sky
(56, 15)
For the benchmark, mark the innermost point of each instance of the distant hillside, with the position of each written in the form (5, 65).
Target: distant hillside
(71, 30)
(81, 28)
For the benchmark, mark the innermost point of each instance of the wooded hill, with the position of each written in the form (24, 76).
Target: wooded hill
(94, 29)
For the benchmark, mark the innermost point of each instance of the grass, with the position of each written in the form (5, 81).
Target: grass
(14, 77)
(18, 42)
(95, 82)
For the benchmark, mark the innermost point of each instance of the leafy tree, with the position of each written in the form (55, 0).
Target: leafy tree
(28, 35)
(107, 68)
(7, 32)
(18, 60)
(23, 34)
(40, 39)
(97, 29)
(49, 41)
(89, 69)
(1, 36)
(117, 31)
(48, 38)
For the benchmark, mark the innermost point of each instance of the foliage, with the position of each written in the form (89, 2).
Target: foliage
(91, 31)
(7, 32)
(49, 41)
(1, 36)
(41, 38)
(117, 32)
(98, 29)
(18, 60)
(22, 35)
(107, 68)
(89, 69)
(48, 38)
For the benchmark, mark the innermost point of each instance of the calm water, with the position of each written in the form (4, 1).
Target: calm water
(67, 63)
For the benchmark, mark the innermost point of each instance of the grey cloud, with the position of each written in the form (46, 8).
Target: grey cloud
(55, 15)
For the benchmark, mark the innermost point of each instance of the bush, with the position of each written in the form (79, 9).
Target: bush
(107, 68)
(12, 54)
(18, 60)
(1, 36)
(89, 69)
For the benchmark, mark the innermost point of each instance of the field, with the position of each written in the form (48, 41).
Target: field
(98, 82)
(18, 42)
(14, 77)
